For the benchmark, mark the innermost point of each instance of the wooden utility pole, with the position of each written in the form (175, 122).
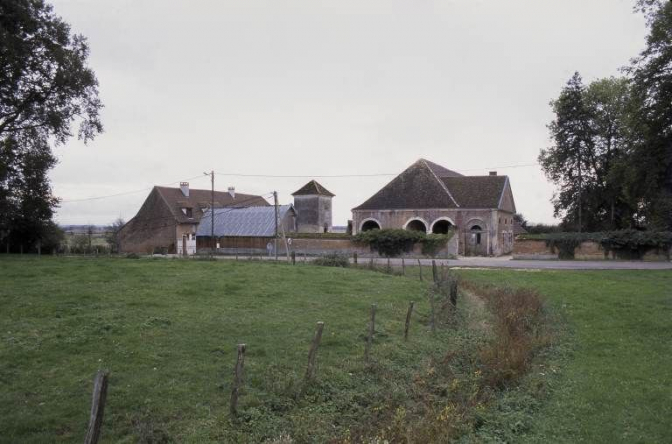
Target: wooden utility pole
(275, 239)
(212, 211)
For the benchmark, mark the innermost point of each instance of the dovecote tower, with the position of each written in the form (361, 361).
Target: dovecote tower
(312, 203)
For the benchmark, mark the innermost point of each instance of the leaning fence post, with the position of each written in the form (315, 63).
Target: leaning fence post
(97, 407)
(369, 338)
(434, 276)
(312, 354)
(420, 268)
(408, 319)
(237, 379)
(403, 267)
(293, 258)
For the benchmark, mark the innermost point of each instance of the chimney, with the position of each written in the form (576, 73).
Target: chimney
(232, 192)
(493, 173)
(184, 187)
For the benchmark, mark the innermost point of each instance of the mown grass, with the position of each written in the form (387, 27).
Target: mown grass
(610, 377)
(167, 331)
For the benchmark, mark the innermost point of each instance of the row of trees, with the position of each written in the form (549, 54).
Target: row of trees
(45, 88)
(612, 140)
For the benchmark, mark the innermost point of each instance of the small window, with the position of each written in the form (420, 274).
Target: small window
(188, 212)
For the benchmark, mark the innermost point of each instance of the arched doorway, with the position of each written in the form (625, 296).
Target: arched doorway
(476, 242)
(370, 224)
(441, 226)
(416, 225)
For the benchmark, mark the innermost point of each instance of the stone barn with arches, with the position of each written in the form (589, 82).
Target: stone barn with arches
(430, 198)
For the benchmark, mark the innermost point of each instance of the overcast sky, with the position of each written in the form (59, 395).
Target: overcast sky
(320, 88)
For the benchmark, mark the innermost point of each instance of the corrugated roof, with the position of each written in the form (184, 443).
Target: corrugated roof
(237, 222)
(312, 188)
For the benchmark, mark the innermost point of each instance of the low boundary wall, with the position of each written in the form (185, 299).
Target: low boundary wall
(588, 250)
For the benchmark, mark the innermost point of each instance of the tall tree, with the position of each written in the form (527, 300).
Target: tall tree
(650, 178)
(590, 135)
(45, 88)
(565, 162)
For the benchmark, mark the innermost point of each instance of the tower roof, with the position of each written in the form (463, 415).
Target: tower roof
(313, 188)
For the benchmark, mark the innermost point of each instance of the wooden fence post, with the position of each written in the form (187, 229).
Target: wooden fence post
(453, 292)
(354, 258)
(293, 258)
(420, 268)
(371, 263)
(312, 354)
(237, 379)
(97, 407)
(431, 304)
(372, 328)
(403, 267)
(408, 319)
(389, 267)
(434, 276)
(236, 256)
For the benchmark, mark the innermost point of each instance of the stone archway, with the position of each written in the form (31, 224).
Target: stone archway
(476, 238)
(441, 225)
(369, 224)
(416, 225)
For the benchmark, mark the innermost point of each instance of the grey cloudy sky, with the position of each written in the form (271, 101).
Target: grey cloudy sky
(328, 88)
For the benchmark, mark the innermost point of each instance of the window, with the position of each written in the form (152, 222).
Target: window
(188, 212)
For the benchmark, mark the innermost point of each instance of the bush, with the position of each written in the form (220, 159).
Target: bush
(433, 243)
(389, 242)
(132, 256)
(333, 260)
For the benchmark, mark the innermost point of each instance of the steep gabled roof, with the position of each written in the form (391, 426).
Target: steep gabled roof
(313, 188)
(476, 191)
(250, 221)
(427, 185)
(199, 200)
(418, 187)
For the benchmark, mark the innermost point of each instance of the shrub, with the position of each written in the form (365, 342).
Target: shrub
(132, 256)
(333, 260)
(389, 242)
(433, 243)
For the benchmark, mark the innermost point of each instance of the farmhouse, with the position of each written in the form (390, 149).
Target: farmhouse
(168, 218)
(430, 198)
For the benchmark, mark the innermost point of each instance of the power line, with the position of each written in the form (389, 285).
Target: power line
(287, 176)
(124, 193)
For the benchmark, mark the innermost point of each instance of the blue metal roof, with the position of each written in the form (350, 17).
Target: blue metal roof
(249, 221)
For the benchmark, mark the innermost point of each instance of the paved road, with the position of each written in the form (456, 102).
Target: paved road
(508, 262)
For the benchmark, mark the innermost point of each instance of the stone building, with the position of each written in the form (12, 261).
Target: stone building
(430, 198)
(168, 218)
(312, 203)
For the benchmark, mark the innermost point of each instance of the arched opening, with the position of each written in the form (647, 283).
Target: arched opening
(476, 233)
(370, 225)
(441, 226)
(416, 225)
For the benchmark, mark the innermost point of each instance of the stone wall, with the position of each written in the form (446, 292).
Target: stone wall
(589, 250)
(309, 247)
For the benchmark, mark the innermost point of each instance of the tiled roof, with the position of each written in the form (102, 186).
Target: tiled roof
(199, 200)
(476, 191)
(312, 188)
(251, 221)
(426, 185)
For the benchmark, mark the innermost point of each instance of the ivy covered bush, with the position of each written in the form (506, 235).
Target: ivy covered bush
(394, 242)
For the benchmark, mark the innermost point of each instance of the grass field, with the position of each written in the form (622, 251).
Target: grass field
(167, 330)
(612, 381)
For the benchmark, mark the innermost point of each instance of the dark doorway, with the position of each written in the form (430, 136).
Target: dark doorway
(441, 227)
(416, 225)
(370, 225)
